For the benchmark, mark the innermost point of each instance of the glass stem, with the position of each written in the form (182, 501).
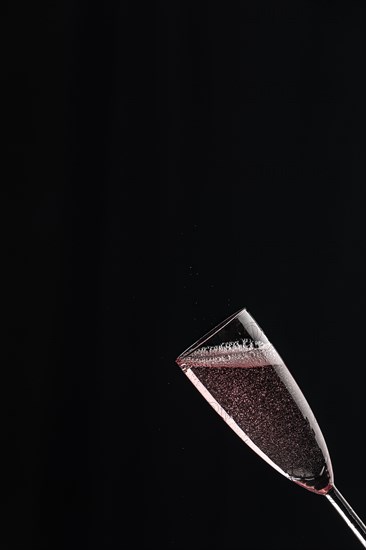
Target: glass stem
(349, 516)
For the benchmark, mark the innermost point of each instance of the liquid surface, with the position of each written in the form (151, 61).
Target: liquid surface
(254, 392)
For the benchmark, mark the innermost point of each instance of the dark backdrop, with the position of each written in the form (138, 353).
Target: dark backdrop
(168, 165)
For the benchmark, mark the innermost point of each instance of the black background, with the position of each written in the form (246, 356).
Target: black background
(165, 166)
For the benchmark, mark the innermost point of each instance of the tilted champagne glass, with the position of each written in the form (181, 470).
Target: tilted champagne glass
(241, 375)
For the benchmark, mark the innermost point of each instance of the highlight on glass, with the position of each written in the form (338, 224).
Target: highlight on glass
(241, 375)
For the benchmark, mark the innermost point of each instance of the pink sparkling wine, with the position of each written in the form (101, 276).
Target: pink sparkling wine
(248, 384)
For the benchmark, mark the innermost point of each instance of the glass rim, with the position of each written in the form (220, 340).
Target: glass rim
(211, 333)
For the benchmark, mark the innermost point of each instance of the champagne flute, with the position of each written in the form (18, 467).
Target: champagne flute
(242, 376)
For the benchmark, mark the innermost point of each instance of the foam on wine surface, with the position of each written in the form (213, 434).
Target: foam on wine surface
(256, 394)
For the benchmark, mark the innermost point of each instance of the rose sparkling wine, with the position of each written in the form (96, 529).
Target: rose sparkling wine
(244, 379)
